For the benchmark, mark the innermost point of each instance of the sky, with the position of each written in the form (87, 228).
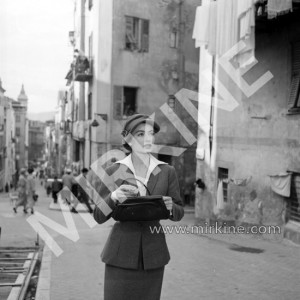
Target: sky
(35, 49)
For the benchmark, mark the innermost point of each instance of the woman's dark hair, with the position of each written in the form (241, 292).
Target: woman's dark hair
(200, 184)
(30, 170)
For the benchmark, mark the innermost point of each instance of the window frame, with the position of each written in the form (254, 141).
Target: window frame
(18, 131)
(221, 176)
(136, 34)
(90, 106)
(119, 101)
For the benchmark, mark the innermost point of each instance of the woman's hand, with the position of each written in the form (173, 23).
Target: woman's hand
(169, 203)
(123, 192)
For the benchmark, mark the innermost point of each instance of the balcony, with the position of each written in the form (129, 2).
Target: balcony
(81, 70)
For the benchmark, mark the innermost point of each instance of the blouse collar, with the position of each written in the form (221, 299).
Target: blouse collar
(154, 162)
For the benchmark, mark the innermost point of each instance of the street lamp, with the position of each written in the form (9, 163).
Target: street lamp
(94, 124)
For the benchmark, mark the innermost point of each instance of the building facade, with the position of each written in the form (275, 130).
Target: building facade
(21, 145)
(9, 120)
(140, 54)
(36, 142)
(7, 140)
(51, 150)
(248, 152)
(2, 137)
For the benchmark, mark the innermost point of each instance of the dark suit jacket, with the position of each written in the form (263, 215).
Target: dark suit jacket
(128, 240)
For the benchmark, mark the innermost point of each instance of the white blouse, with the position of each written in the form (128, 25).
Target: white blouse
(152, 165)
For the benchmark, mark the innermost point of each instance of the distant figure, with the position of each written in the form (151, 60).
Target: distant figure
(6, 188)
(204, 202)
(30, 190)
(68, 181)
(22, 191)
(56, 187)
(83, 195)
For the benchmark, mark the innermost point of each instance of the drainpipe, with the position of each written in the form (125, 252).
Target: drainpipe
(181, 77)
(82, 44)
(181, 31)
(82, 84)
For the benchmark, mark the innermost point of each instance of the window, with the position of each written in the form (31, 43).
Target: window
(91, 46)
(125, 99)
(17, 147)
(223, 175)
(90, 106)
(137, 34)
(294, 102)
(173, 39)
(76, 150)
(18, 118)
(18, 131)
(90, 4)
(293, 203)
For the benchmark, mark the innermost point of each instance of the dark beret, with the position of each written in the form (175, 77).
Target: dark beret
(135, 120)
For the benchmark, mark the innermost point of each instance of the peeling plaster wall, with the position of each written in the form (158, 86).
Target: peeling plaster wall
(260, 147)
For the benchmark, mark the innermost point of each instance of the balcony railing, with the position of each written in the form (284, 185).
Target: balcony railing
(81, 70)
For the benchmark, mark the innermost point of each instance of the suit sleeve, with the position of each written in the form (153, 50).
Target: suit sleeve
(104, 204)
(174, 192)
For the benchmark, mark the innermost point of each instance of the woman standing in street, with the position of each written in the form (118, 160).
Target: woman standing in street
(134, 255)
(22, 191)
(30, 190)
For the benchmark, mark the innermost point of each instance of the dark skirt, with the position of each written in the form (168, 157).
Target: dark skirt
(126, 284)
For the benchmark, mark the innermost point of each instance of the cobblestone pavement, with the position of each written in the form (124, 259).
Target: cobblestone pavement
(201, 267)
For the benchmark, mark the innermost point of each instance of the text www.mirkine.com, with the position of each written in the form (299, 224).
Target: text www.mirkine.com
(215, 229)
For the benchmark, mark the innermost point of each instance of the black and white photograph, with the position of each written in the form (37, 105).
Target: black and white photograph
(149, 149)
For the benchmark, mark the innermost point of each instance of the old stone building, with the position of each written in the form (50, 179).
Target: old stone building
(21, 131)
(248, 152)
(136, 55)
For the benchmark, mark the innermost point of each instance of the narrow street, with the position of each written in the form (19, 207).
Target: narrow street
(201, 267)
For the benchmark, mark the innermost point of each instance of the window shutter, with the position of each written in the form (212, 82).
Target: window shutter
(295, 82)
(90, 103)
(129, 25)
(145, 36)
(118, 102)
(296, 57)
(294, 92)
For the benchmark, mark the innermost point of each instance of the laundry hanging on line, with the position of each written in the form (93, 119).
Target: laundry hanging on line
(220, 25)
(279, 7)
(281, 183)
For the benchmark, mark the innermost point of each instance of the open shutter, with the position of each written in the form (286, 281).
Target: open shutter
(145, 35)
(118, 102)
(295, 81)
(294, 90)
(129, 25)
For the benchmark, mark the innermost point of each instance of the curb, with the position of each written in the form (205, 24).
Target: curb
(43, 287)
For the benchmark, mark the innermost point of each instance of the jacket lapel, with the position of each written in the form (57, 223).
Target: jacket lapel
(152, 181)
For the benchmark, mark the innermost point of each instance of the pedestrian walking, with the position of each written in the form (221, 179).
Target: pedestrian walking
(82, 188)
(22, 191)
(135, 257)
(30, 190)
(68, 182)
(56, 187)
